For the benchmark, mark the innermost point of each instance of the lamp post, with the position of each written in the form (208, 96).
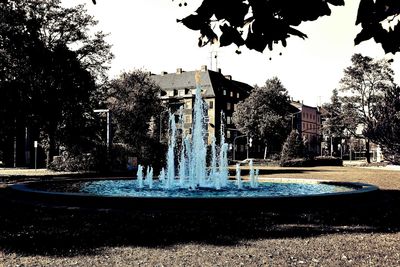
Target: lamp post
(108, 126)
(234, 145)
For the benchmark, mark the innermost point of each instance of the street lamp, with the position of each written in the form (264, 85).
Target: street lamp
(234, 146)
(108, 125)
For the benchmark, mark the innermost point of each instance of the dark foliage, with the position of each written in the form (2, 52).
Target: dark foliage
(261, 24)
(134, 103)
(317, 161)
(266, 22)
(364, 84)
(51, 73)
(385, 128)
(264, 115)
(293, 148)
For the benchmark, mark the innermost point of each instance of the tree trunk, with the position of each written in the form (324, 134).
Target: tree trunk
(367, 154)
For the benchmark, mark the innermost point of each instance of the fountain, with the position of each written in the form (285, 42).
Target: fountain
(191, 172)
(188, 181)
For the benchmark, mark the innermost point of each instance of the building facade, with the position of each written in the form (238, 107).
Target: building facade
(220, 92)
(307, 120)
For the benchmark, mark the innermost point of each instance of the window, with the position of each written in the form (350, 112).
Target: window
(231, 94)
(228, 106)
(188, 119)
(211, 104)
(181, 92)
(188, 105)
(224, 92)
(228, 120)
(193, 91)
(234, 106)
(237, 95)
(228, 134)
(171, 93)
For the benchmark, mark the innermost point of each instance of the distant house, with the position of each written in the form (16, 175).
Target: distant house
(220, 92)
(307, 120)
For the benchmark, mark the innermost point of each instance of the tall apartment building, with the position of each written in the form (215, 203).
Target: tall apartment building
(220, 92)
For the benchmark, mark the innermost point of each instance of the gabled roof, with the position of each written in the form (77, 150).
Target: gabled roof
(210, 81)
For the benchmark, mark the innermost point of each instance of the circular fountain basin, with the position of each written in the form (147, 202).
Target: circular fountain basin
(273, 193)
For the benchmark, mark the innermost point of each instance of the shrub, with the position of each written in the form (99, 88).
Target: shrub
(296, 163)
(328, 161)
(317, 161)
(73, 163)
(293, 147)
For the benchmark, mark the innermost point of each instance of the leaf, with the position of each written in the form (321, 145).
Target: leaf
(336, 2)
(298, 33)
(363, 35)
(193, 22)
(365, 12)
(230, 35)
(254, 41)
(209, 34)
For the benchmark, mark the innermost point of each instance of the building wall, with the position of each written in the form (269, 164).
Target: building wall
(308, 123)
(220, 93)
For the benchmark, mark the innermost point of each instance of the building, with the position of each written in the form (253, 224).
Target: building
(307, 120)
(220, 92)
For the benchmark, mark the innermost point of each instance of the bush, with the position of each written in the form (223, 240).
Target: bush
(296, 163)
(317, 161)
(73, 163)
(293, 147)
(328, 161)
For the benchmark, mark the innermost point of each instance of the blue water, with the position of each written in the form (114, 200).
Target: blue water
(130, 188)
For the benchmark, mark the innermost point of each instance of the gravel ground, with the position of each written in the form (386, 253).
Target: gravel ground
(368, 235)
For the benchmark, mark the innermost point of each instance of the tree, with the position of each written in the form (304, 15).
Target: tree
(51, 72)
(364, 84)
(334, 125)
(293, 147)
(264, 114)
(134, 101)
(385, 128)
(266, 23)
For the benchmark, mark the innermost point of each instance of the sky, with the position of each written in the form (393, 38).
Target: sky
(145, 35)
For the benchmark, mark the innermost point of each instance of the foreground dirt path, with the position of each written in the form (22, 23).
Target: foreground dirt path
(368, 236)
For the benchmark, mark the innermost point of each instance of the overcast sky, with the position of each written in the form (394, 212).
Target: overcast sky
(145, 35)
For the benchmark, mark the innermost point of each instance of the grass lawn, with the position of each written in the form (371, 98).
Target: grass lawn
(357, 236)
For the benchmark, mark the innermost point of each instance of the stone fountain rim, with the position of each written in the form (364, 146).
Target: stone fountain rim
(359, 188)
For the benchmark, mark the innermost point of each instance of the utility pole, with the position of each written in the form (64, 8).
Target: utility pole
(214, 55)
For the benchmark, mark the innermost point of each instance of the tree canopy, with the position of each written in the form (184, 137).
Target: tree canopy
(133, 100)
(364, 85)
(51, 69)
(260, 24)
(385, 128)
(264, 114)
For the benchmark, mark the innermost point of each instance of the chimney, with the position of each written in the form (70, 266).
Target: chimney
(219, 70)
(204, 68)
(229, 77)
(163, 73)
(179, 71)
